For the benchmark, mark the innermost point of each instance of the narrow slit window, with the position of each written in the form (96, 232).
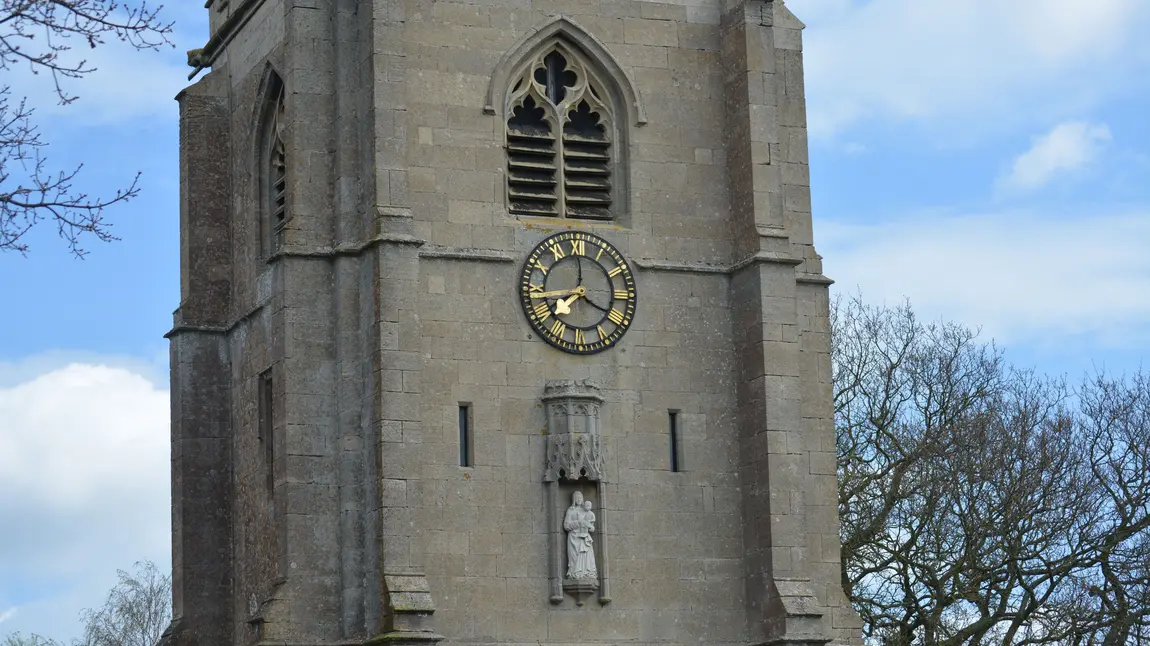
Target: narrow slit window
(266, 428)
(466, 459)
(676, 453)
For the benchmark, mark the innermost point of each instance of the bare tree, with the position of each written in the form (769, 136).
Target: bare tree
(982, 504)
(42, 34)
(1115, 420)
(136, 612)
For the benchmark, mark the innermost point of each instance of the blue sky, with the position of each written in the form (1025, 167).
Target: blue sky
(988, 160)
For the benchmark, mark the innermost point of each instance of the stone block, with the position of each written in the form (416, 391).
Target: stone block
(661, 33)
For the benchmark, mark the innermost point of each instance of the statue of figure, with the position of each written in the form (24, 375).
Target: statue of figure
(580, 523)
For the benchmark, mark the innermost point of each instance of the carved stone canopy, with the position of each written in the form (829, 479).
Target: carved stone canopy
(574, 446)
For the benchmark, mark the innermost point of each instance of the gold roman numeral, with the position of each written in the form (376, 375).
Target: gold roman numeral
(622, 295)
(616, 271)
(578, 248)
(538, 265)
(542, 311)
(535, 288)
(558, 328)
(601, 332)
(616, 316)
(579, 338)
(557, 251)
(599, 254)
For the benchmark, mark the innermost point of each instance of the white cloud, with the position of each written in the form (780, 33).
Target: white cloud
(1069, 147)
(24, 369)
(84, 482)
(1022, 277)
(7, 614)
(983, 64)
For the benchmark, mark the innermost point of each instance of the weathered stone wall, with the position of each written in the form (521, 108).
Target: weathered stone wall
(393, 300)
(679, 201)
(263, 30)
(202, 443)
(479, 533)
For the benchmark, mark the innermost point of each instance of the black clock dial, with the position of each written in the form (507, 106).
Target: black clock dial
(578, 292)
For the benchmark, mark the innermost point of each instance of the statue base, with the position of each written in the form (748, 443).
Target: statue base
(580, 588)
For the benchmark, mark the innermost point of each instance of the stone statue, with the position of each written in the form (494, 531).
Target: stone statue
(580, 524)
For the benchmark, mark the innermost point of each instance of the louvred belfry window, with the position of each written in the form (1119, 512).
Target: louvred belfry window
(273, 165)
(278, 172)
(559, 135)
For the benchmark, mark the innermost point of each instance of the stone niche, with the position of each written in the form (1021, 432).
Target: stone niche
(576, 503)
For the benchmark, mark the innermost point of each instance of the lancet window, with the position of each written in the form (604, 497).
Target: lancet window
(560, 133)
(273, 167)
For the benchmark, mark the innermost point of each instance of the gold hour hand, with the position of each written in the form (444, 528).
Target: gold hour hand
(564, 306)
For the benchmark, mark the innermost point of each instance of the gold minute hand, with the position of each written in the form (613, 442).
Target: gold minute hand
(553, 294)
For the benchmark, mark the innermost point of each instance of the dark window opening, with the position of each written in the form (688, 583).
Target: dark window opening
(466, 457)
(266, 426)
(555, 76)
(676, 461)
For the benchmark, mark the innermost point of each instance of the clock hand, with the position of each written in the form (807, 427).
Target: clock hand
(564, 306)
(594, 304)
(553, 294)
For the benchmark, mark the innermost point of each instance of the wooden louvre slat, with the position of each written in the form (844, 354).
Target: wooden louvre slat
(532, 171)
(530, 165)
(589, 155)
(529, 207)
(517, 148)
(586, 174)
(587, 197)
(531, 179)
(588, 183)
(584, 168)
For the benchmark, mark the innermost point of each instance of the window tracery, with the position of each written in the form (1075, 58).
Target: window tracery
(560, 131)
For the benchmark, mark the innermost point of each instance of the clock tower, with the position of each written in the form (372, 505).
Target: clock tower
(501, 322)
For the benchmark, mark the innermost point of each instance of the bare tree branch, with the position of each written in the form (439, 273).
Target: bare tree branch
(42, 35)
(135, 613)
(982, 504)
(16, 639)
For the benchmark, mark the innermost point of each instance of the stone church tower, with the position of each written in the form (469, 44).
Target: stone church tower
(501, 323)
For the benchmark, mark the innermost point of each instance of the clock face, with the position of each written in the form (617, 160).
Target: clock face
(578, 292)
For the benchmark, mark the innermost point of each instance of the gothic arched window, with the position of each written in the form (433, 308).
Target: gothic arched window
(273, 166)
(560, 132)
